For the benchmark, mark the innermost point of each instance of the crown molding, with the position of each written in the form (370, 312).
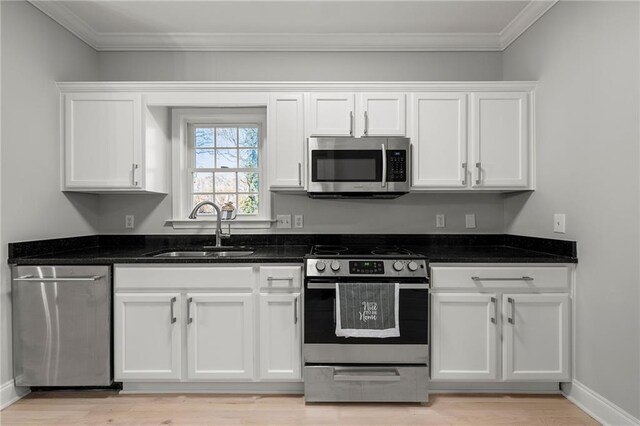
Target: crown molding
(377, 42)
(523, 20)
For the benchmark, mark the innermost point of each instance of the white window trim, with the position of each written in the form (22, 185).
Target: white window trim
(181, 118)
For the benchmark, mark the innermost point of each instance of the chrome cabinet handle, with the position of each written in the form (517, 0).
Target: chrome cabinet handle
(52, 279)
(384, 166)
(366, 123)
(134, 167)
(295, 310)
(299, 174)
(464, 171)
(372, 375)
(173, 317)
(270, 280)
(512, 319)
(525, 278)
(495, 310)
(189, 319)
(334, 310)
(351, 123)
(478, 179)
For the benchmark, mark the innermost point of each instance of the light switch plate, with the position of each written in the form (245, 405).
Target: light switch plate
(440, 223)
(559, 220)
(470, 220)
(283, 221)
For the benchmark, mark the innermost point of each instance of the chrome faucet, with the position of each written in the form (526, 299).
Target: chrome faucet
(194, 215)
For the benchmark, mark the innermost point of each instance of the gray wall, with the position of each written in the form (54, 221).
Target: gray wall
(299, 66)
(585, 56)
(36, 52)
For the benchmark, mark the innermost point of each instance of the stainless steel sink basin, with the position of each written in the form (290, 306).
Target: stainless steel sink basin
(213, 252)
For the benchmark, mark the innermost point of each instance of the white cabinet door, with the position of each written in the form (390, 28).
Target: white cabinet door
(536, 337)
(286, 143)
(147, 336)
(463, 336)
(381, 114)
(331, 114)
(439, 140)
(280, 336)
(500, 140)
(103, 140)
(219, 336)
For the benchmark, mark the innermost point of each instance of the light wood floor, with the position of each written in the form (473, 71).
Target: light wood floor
(196, 409)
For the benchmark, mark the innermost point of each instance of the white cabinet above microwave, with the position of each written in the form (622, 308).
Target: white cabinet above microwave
(357, 114)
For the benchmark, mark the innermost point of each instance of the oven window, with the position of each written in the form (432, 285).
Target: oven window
(346, 166)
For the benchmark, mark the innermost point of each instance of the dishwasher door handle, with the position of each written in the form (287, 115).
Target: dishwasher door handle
(53, 279)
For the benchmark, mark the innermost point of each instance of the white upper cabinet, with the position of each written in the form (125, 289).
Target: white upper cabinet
(105, 148)
(499, 132)
(286, 142)
(358, 115)
(381, 114)
(439, 140)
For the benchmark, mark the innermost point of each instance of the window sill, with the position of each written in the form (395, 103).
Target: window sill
(211, 223)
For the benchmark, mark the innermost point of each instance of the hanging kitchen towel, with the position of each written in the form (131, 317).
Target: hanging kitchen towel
(367, 310)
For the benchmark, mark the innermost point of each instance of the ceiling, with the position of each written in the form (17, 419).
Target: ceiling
(296, 25)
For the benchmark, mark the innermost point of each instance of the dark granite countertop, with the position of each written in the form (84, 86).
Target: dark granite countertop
(287, 248)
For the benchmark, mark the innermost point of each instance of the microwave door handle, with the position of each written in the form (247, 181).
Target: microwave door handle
(384, 166)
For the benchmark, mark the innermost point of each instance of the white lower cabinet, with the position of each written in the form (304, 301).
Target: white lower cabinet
(199, 323)
(280, 336)
(463, 337)
(483, 329)
(219, 336)
(148, 336)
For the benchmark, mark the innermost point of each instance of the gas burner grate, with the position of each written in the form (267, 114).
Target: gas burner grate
(329, 250)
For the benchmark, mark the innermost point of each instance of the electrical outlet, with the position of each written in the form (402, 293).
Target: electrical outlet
(470, 220)
(129, 221)
(283, 221)
(298, 221)
(440, 221)
(559, 220)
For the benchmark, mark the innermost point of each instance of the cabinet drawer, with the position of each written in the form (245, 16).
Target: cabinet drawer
(280, 277)
(509, 277)
(192, 277)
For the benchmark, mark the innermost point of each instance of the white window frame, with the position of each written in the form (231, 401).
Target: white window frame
(181, 181)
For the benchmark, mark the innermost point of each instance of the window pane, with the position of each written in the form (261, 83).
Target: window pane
(248, 203)
(204, 137)
(204, 209)
(203, 182)
(221, 199)
(249, 136)
(204, 158)
(225, 182)
(226, 137)
(248, 182)
(226, 158)
(248, 158)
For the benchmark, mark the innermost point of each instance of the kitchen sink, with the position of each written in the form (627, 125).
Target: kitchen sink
(212, 252)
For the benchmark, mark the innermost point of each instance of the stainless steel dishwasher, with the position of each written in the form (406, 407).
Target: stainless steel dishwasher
(61, 325)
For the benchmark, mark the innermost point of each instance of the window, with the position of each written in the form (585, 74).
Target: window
(221, 158)
(224, 166)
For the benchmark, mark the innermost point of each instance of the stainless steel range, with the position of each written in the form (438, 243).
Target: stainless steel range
(365, 368)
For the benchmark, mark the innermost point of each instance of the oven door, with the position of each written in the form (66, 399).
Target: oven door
(347, 165)
(321, 345)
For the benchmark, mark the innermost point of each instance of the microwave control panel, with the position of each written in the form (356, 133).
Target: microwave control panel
(396, 166)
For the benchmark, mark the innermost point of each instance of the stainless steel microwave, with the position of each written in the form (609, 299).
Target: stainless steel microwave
(372, 167)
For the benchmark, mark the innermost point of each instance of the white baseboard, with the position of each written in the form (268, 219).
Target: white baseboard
(9, 393)
(212, 387)
(494, 387)
(596, 405)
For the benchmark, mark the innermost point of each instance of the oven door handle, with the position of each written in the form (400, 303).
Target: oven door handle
(332, 286)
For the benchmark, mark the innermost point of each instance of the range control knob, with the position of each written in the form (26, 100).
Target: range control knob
(413, 266)
(398, 266)
(320, 266)
(335, 265)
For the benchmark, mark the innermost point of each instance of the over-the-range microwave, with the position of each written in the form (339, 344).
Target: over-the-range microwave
(370, 167)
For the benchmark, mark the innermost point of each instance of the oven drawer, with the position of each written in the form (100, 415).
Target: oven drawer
(366, 383)
(508, 277)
